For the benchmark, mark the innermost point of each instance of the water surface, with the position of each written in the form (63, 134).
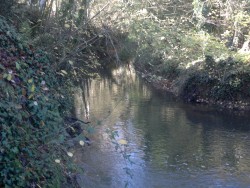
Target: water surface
(170, 144)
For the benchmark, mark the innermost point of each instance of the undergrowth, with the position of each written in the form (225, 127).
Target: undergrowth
(34, 100)
(192, 64)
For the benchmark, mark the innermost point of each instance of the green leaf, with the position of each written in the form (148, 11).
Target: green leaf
(2, 67)
(33, 87)
(14, 150)
(18, 66)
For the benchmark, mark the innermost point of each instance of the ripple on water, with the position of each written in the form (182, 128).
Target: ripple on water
(171, 144)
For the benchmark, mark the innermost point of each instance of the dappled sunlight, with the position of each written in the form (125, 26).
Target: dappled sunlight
(193, 63)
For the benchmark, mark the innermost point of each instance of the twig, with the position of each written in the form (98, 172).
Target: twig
(98, 12)
(78, 48)
(112, 43)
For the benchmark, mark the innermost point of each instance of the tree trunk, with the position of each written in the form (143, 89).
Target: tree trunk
(86, 10)
(235, 42)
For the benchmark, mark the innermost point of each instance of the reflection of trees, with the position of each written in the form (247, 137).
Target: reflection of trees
(226, 137)
(167, 134)
(109, 101)
(105, 98)
(177, 135)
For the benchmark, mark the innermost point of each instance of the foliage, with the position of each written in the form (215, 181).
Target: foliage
(31, 116)
(34, 93)
(221, 80)
(174, 40)
(63, 29)
(6, 5)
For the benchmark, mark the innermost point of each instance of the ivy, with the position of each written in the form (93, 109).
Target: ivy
(31, 118)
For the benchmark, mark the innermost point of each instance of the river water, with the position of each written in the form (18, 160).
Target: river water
(170, 143)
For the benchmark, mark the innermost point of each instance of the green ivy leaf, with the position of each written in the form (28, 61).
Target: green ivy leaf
(18, 66)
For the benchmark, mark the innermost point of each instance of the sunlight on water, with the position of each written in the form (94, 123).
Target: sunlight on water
(171, 144)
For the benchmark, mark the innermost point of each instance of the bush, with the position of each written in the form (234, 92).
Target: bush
(226, 80)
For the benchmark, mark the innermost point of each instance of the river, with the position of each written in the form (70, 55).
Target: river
(170, 143)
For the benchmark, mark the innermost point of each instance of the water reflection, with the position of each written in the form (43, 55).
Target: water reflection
(172, 144)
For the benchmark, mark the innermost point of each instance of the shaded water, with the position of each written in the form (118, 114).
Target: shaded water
(171, 144)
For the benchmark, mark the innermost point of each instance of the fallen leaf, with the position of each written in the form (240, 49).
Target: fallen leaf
(70, 154)
(57, 161)
(81, 143)
(9, 77)
(67, 25)
(123, 142)
(64, 72)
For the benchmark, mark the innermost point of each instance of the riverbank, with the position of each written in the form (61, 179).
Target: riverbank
(34, 101)
(207, 82)
(36, 113)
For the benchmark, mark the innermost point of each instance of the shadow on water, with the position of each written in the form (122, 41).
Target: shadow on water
(172, 144)
(218, 120)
